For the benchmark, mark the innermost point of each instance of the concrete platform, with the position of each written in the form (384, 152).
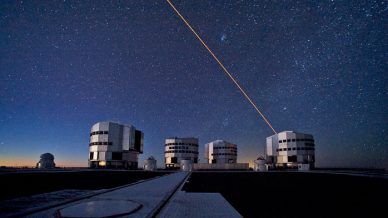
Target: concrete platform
(160, 197)
(139, 200)
(193, 205)
(100, 208)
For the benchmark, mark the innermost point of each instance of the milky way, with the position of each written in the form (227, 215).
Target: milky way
(314, 67)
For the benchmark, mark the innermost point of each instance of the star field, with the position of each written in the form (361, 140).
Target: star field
(314, 67)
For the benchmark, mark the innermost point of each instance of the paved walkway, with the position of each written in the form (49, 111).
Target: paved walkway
(139, 200)
(160, 197)
(185, 204)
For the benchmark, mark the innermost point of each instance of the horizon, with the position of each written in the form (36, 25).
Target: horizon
(312, 67)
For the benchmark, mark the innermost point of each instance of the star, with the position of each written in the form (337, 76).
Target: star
(311, 66)
(223, 37)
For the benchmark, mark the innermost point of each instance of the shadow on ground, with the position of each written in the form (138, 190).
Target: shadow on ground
(295, 194)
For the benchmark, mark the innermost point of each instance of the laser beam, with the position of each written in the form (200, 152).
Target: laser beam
(222, 66)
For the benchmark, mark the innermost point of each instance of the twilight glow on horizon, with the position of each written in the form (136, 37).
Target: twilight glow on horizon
(311, 67)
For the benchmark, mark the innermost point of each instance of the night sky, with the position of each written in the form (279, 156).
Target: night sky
(313, 67)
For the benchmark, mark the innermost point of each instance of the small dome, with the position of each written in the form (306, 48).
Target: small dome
(47, 156)
(260, 157)
(46, 161)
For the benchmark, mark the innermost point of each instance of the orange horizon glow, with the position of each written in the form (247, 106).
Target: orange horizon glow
(12, 162)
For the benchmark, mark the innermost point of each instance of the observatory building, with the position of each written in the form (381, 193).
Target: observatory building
(178, 149)
(220, 151)
(289, 149)
(150, 164)
(46, 161)
(260, 164)
(220, 155)
(114, 145)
